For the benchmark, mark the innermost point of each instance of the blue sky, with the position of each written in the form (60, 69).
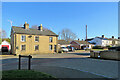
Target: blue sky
(101, 17)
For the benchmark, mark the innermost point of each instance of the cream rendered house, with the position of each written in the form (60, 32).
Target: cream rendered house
(25, 40)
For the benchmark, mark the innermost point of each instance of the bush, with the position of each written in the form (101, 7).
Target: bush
(108, 46)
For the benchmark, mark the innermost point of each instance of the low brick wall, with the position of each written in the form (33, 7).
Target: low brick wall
(110, 55)
(106, 54)
(94, 54)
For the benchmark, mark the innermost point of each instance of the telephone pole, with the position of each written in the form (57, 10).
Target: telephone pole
(86, 36)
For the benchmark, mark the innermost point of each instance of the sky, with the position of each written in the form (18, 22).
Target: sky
(100, 17)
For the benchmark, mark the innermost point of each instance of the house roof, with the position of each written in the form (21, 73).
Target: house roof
(63, 42)
(5, 43)
(81, 42)
(89, 39)
(21, 30)
(108, 38)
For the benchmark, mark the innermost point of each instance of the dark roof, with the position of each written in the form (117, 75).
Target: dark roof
(63, 42)
(89, 39)
(108, 38)
(81, 42)
(21, 30)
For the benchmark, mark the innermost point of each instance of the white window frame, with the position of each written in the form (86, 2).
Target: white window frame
(38, 47)
(50, 39)
(35, 38)
(21, 38)
(21, 48)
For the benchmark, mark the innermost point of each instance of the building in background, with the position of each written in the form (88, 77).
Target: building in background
(103, 41)
(77, 44)
(25, 40)
(63, 43)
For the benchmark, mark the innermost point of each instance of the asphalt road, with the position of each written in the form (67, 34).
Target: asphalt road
(68, 67)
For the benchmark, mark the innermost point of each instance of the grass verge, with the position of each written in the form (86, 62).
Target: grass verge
(25, 75)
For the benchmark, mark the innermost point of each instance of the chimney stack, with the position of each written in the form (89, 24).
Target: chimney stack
(112, 37)
(118, 37)
(103, 36)
(40, 27)
(26, 25)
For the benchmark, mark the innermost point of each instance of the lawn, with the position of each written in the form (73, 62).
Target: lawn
(25, 74)
(99, 49)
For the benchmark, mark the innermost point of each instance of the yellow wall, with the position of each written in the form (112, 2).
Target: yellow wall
(30, 44)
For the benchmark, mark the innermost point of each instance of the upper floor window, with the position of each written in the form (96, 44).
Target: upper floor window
(36, 47)
(36, 38)
(23, 38)
(23, 47)
(50, 39)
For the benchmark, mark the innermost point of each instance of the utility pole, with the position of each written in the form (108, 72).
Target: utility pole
(86, 36)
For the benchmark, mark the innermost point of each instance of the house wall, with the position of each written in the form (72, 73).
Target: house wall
(30, 44)
(100, 42)
(12, 41)
(97, 41)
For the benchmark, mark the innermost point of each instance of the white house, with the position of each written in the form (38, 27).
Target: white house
(5, 44)
(102, 41)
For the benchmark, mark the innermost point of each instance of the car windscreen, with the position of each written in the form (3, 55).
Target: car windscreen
(63, 47)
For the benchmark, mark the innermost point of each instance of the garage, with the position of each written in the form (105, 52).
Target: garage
(5, 46)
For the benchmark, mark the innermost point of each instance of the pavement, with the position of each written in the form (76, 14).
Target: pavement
(55, 55)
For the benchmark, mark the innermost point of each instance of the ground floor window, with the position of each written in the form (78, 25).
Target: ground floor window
(36, 47)
(50, 47)
(55, 48)
(23, 47)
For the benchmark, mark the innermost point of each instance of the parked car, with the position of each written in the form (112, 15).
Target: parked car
(70, 48)
(63, 49)
(4, 49)
(86, 48)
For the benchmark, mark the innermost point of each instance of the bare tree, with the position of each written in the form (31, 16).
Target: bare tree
(4, 34)
(67, 34)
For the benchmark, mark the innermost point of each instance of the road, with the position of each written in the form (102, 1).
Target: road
(69, 67)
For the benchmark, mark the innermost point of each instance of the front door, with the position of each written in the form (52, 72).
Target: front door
(54, 48)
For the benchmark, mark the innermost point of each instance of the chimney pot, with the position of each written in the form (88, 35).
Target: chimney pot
(103, 36)
(26, 25)
(113, 37)
(118, 37)
(40, 27)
